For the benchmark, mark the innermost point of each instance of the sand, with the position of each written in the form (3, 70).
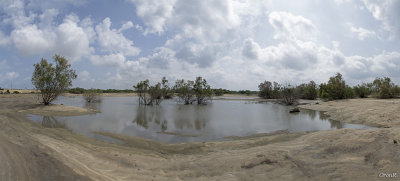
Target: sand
(31, 152)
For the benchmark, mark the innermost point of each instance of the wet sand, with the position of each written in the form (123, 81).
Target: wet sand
(31, 152)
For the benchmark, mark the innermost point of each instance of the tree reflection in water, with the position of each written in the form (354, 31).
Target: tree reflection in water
(323, 116)
(184, 116)
(150, 114)
(93, 105)
(187, 116)
(51, 122)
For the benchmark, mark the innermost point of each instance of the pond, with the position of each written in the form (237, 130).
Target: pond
(171, 122)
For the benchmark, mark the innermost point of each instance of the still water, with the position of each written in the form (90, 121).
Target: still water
(172, 122)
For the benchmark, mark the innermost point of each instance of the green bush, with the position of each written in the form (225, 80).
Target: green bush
(335, 89)
(384, 88)
(7, 92)
(362, 91)
(268, 90)
(307, 91)
(16, 92)
(76, 90)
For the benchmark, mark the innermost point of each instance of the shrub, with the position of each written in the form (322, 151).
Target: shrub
(152, 95)
(52, 81)
(185, 91)
(202, 90)
(218, 92)
(384, 88)
(267, 90)
(335, 89)
(307, 91)
(76, 90)
(16, 92)
(92, 95)
(289, 94)
(7, 92)
(362, 91)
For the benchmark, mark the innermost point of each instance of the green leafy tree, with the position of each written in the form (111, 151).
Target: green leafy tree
(268, 90)
(202, 90)
(336, 89)
(385, 88)
(52, 81)
(362, 91)
(308, 91)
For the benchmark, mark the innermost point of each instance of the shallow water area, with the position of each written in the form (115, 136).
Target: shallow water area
(172, 122)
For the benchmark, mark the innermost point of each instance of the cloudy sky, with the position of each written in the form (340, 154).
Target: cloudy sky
(233, 44)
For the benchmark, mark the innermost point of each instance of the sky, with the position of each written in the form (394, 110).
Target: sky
(233, 44)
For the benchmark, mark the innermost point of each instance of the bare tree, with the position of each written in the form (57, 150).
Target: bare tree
(289, 95)
(92, 95)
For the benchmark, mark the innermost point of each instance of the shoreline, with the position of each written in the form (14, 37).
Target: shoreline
(343, 154)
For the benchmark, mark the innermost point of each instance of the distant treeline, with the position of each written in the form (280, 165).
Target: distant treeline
(336, 88)
(79, 90)
(217, 92)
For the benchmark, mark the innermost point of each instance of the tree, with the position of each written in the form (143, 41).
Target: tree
(307, 91)
(385, 88)
(52, 81)
(265, 90)
(362, 90)
(142, 89)
(289, 94)
(268, 90)
(310, 91)
(92, 95)
(152, 95)
(336, 89)
(202, 90)
(185, 91)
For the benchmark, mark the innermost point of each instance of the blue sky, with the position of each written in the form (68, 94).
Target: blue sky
(233, 44)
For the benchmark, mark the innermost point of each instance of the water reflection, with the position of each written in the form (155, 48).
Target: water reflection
(93, 105)
(191, 116)
(51, 122)
(171, 122)
(322, 116)
(150, 114)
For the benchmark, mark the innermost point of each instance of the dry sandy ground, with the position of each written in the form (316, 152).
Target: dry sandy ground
(31, 152)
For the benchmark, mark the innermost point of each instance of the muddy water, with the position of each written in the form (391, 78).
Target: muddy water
(172, 122)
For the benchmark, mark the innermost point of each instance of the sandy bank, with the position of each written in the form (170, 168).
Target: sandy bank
(58, 110)
(31, 151)
(371, 112)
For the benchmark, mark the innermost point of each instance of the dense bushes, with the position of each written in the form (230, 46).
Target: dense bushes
(268, 90)
(76, 90)
(384, 88)
(336, 88)
(220, 92)
(307, 91)
(363, 90)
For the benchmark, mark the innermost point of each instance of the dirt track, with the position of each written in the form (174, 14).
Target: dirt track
(31, 152)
